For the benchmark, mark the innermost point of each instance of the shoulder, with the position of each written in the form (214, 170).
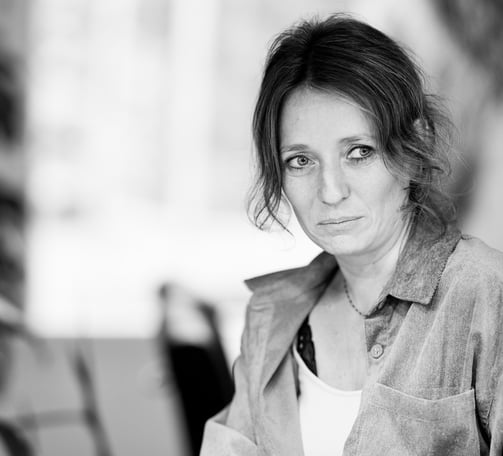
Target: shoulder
(281, 299)
(473, 279)
(475, 261)
(284, 284)
(266, 282)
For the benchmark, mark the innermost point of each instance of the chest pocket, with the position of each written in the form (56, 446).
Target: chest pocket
(393, 423)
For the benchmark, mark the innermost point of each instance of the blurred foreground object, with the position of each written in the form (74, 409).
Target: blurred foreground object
(12, 221)
(14, 443)
(193, 354)
(12, 200)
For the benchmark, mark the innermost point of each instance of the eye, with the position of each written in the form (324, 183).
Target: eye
(298, 162)
(361, 153)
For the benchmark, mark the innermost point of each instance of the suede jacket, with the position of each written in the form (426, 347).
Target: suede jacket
(436, 336)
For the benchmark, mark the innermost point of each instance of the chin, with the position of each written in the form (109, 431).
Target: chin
(342, 245)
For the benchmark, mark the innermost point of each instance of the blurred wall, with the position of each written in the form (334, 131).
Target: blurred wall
(139, 149)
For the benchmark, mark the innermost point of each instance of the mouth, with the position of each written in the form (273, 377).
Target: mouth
(339, 220)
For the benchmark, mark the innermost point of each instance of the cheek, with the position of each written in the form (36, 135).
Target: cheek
(395, 196)
(297, 195)
(387, 196)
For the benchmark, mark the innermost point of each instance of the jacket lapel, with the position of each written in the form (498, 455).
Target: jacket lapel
(288, 297)
(291, 295)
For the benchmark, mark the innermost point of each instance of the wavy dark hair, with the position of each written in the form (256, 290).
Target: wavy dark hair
(345, 56)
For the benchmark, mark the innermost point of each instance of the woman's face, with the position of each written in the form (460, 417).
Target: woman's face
(334, 177)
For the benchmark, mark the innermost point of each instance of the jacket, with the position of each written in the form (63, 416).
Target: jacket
(439, 332)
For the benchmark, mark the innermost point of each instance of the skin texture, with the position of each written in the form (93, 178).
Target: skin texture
(333, 170)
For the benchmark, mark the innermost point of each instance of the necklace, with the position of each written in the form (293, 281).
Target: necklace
(351, 301)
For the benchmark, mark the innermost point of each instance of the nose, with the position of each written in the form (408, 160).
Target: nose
(333, 186)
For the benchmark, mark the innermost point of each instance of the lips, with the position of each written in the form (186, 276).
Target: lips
(339, 220)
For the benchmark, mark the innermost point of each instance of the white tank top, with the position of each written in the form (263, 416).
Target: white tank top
(326, 414)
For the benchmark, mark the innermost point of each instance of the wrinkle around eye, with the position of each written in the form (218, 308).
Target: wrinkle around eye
(292, 168)
(370, 154)
(368, 149)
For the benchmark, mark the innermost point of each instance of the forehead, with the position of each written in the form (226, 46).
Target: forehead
(307, 113)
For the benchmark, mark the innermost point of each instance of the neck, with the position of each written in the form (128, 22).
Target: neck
(366, 276)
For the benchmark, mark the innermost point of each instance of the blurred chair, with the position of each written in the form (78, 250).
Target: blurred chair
(13, 441)
(48, 404)
(88, 397)
(194, 358)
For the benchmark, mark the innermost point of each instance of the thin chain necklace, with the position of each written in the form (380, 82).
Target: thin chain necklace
(351, 301)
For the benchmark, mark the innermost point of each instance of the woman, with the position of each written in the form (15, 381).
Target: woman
(390, 342)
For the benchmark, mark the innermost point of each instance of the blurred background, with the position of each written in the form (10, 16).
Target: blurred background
(125, 159)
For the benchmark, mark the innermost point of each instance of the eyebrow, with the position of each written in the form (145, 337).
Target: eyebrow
(343, 141)
(357, 138)
(293, 148)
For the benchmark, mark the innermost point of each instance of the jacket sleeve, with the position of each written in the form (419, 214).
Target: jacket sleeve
(489, 363)
(495, 418)
(231, 432)
(495, 379)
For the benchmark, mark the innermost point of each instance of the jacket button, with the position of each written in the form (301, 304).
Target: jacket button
(376, 351)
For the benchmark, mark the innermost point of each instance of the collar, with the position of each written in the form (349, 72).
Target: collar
(290, 295)
(421, 264)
